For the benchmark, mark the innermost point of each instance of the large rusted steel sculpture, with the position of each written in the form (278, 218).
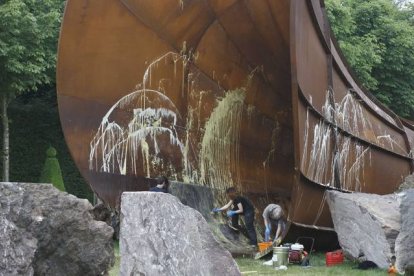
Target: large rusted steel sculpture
(247, 93)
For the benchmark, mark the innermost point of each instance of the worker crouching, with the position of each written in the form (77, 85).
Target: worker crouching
(241, 206)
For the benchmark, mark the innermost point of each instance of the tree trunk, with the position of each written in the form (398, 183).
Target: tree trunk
(5, 124)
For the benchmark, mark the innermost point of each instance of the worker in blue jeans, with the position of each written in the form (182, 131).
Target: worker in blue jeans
(242, 206)
(273, 215)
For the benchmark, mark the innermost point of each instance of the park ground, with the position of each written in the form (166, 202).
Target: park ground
(249, 266)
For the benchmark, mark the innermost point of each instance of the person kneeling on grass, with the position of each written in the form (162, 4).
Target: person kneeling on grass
(241, 206)
(273, 215)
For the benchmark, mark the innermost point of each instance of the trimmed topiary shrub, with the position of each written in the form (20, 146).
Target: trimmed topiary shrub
(51, 172)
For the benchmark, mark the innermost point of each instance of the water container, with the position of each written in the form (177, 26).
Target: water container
(334, 258)
(280, 256)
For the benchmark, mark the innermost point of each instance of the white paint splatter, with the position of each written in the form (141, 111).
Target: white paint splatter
(335, 157)
(115, 146)
(139, 133)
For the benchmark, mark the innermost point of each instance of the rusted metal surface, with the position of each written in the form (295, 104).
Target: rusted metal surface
(346, 139)
(247, 93)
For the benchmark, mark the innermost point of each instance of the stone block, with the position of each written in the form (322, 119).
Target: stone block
(161, 236)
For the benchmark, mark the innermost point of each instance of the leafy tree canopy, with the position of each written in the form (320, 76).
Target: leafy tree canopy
(28, 38)
(377, 38)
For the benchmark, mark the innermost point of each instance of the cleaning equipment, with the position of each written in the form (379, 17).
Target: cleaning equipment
(264, 245)
(334, 258)
(266, 251)
(280, 256)
(297, 253)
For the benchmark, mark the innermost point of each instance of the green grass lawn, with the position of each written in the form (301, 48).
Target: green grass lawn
(248, 266)
(115, 269)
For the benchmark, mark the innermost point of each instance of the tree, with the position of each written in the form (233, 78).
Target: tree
(28, 42)
(377, 38)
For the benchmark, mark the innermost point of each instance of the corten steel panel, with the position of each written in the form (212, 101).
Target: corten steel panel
(375, 128)
(362, 167)
(202, 73)
(340, 86)
(367, 125)
(318, 13)
(312, 61)
(357, 144)
(360, 163)
(220, 93)
(347, 75)
(310, 208)
(410, 133)
(316, 158)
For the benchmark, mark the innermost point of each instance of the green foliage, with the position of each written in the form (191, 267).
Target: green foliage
(377, 38)
(51, 152)
(34, 126)
(28, 42)
(28, 45)
(114, 271)
(364, 54)
(51, 170)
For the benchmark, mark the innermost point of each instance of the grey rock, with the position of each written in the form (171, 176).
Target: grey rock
(57, 227)
(366, 224)
(110, 216)
(102, 213)
(203, 200)
(404, 245)
(195, 196)
(407, 184)
(17, 247)
(161, 236)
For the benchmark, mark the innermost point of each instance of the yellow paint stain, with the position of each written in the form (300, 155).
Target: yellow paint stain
(273, 143)
(145, 156)
(250, 111)
(219, 156)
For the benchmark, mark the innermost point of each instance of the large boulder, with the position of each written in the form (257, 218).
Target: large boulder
(110, 216)
(407, 184)
(48, 232)
(161, 236)
(202, 199)
(375, 227)
(404, 245)
(17, 246)
(367, 224)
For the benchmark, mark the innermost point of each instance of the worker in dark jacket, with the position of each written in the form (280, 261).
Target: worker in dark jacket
(241, 206)
(162, 185)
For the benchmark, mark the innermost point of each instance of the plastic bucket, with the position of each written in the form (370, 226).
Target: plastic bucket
(264, 245)
(280, 256)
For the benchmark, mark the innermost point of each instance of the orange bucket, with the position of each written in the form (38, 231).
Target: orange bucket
(264, 245)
